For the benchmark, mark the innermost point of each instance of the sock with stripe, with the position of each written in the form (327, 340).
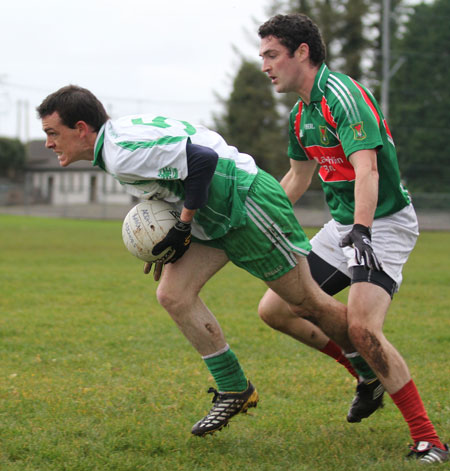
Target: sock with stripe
(226, 370)
(334, 351)
(361, 367)
(408, 401)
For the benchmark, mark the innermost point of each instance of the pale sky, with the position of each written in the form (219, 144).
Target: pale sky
(164, 56)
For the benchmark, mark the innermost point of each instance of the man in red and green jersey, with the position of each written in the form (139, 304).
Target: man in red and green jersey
(342, 118)
(338, 125)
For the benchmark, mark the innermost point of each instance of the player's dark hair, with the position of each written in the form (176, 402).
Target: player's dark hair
(294, 29)
(74, 104)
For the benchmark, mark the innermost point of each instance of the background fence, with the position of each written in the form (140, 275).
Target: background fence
(433, 209)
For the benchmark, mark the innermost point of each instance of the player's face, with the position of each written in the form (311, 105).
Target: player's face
(64, 141)
(282, 68)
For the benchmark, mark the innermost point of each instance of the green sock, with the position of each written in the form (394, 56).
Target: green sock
(360, 366)
(226, 371)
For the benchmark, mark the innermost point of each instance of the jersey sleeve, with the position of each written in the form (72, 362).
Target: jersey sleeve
(295, 150)
(202, 162)
(142, 152)
(357, 118)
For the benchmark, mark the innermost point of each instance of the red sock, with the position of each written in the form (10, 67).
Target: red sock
(334, 351)
(411, 406)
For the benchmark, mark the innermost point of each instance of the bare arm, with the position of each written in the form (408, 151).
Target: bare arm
(366, 185)
(366, 197)
(298, 178)
(187, 215)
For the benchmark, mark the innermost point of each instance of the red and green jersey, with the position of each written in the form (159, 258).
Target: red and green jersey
(343, 117)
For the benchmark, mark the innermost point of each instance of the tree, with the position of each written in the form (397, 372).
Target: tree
(419, 99)
(251, 121)
(354, 41)
(12, 157)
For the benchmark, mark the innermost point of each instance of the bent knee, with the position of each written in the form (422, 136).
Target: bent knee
(276, 316)
(265, 313)
(270, 314)
(362, 335)
(164, 298)
(172, 300)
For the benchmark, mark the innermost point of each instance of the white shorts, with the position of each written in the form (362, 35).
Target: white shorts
(393, 239)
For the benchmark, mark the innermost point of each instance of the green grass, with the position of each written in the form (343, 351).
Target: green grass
(95, 376)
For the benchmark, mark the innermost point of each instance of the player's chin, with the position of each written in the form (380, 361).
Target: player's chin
(277, 87)
(63, 161)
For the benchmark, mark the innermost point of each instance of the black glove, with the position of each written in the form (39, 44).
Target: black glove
(179, 238)
(361, 239)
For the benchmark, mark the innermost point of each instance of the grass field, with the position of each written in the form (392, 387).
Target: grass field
(95, 376)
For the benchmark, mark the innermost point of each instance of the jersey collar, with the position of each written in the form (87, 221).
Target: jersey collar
(320, 81)
(98, 159)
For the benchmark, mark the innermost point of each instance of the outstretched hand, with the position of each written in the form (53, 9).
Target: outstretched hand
(361, 239)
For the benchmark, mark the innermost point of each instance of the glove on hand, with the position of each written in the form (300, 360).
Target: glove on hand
(179, 238)
(361, 239)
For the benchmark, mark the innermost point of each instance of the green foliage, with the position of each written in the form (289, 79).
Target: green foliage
(420, 100)
(251, 121)
(352, 35)
(96, 376)
(12, 157)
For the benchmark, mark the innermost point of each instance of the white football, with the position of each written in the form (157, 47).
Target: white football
(147, 224)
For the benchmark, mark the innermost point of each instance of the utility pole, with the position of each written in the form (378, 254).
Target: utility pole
(386, 57)
(26, 129)
(19, 119)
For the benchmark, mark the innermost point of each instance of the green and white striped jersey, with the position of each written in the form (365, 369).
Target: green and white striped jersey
(343, 117)
(147, 154)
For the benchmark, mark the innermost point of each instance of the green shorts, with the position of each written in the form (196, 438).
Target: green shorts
(266, 246)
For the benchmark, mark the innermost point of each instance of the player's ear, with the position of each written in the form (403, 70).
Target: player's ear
(302, 52)
(83, 128)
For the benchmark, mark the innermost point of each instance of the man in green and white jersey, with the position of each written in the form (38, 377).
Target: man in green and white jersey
(155, 165)
(233, 210)
(338, 125)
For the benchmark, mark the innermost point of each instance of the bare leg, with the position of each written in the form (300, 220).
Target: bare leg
(307, 300)
(178, 293)
(367, 308)
(276, 313)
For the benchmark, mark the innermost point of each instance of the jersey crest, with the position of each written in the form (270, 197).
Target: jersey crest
(324, 139)
(334, 166)
(168, 173)
(358, 131)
